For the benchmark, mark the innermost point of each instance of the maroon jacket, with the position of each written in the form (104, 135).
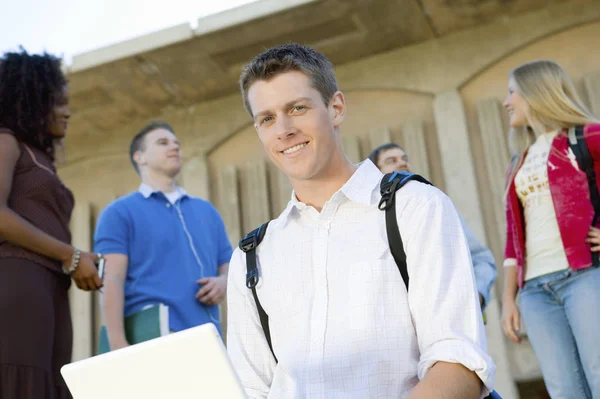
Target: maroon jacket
(571, 198)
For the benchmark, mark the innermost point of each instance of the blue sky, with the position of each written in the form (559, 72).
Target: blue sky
(68, 27)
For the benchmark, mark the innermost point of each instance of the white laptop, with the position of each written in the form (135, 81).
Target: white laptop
(189, 364)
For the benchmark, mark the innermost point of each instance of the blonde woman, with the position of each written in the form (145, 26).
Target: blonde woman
(550, 240)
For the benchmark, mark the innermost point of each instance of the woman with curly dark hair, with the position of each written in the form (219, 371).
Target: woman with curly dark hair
(37, 261)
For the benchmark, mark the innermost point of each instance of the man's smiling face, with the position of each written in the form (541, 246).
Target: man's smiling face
(296, 128)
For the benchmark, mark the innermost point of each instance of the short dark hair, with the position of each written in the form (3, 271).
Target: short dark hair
(29, 88)
(138, 143)
(374, 155)
(286, 58)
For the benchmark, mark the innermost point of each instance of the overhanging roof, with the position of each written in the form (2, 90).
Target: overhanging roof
(181, 66)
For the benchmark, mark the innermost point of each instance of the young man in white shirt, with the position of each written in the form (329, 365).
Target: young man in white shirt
(341, 321)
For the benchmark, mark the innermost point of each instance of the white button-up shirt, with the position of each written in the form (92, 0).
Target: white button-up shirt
(342, 323)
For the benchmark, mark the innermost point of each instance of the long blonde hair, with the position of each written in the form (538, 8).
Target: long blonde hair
(552, 102)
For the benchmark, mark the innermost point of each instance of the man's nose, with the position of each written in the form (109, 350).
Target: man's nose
(284, 127)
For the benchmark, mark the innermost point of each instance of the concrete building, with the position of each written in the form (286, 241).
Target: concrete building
(430, 74)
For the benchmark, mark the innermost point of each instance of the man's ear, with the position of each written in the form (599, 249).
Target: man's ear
(138, 157)
(338, 108)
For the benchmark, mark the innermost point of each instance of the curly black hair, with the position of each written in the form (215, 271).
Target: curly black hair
(29, 85)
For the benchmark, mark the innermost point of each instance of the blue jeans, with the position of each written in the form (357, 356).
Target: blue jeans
(561, 312)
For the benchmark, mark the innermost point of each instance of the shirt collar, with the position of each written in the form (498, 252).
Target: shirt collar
(147, 191)
(359, 188)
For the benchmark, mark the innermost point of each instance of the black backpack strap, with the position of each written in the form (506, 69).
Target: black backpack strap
(586, 163)
(248, 244)
(391, 183)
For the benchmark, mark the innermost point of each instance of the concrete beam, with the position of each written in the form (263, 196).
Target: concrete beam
(128, 48)
(457, 162)
(435, 66)
(246, 13)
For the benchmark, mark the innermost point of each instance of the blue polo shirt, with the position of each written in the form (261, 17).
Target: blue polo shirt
(160, 238)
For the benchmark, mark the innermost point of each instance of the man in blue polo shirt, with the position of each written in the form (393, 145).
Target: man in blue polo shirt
(161, 245)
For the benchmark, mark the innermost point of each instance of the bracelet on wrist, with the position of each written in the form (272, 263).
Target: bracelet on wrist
(74, 262)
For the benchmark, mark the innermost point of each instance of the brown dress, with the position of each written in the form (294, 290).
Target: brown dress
(35, 322)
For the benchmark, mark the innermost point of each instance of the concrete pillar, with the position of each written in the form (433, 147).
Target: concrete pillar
(98, 319)
(379, 136)
(504, 383)
(460, 179)
(496, 154)
(351, 146)
(254, 191)
(591, 82)
(229, 202)
(194, 177)
(413, 142)
(457, 162)
(81, 302)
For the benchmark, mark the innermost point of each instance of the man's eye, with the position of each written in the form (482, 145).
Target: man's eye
(266, 120)
(299, 108)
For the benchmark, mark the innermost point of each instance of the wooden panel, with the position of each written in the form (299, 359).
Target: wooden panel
(228, 202)
(281, 191)
(194, 177)
(591, 83)
(379, 136)
(351, 146)
(497, 156)
(413, 133)
(254, 192)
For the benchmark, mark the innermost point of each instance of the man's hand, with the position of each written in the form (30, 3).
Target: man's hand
(213, 290)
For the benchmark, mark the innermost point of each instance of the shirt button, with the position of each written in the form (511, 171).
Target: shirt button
(168, 205)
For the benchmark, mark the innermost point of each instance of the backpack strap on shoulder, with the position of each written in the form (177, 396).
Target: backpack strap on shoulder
(586, 163)
(391, 183)
(248, 245)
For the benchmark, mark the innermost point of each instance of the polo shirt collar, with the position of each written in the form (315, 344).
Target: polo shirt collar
(147, 191)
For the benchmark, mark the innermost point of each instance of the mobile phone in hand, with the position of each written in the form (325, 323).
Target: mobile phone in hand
(101, 262)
